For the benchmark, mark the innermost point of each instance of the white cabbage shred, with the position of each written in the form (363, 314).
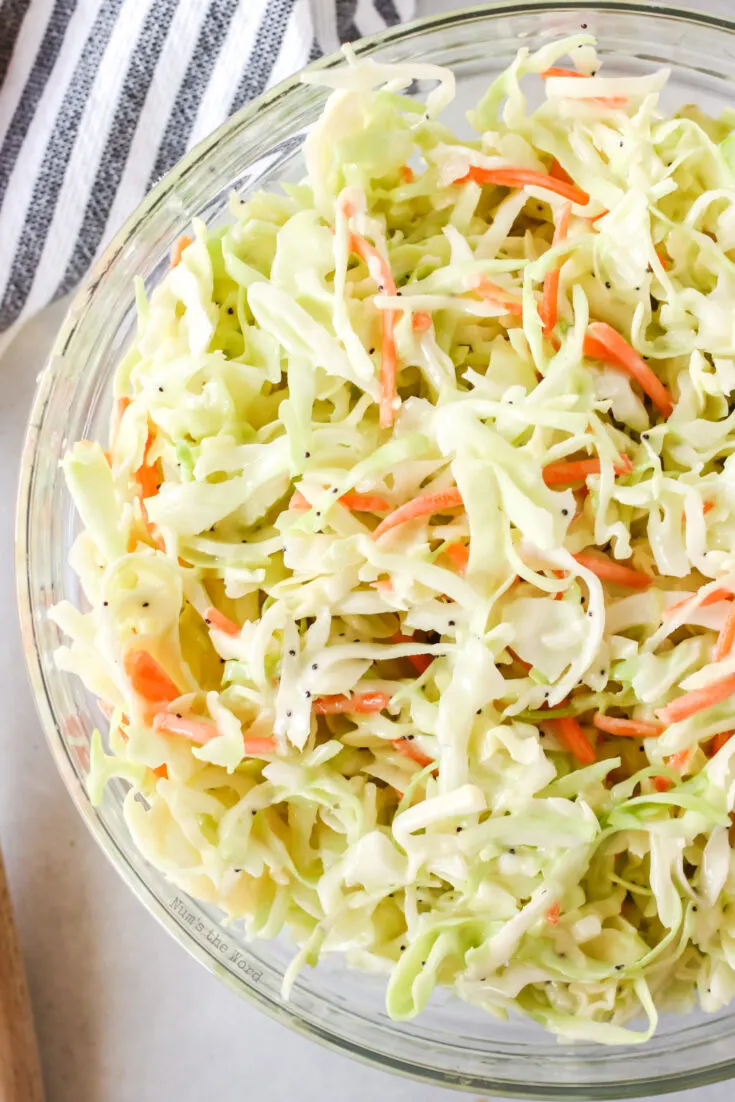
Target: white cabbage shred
(393, 745)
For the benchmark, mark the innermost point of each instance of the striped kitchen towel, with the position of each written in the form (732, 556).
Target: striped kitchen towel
(99, 98)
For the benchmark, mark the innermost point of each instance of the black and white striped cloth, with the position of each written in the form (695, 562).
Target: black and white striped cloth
(99, 98)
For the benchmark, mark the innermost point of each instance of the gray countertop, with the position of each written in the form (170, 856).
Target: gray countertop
(123, 1015)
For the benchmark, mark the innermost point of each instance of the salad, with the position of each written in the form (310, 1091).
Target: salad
(408, 573)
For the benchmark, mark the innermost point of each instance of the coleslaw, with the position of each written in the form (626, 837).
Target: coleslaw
(408, 575)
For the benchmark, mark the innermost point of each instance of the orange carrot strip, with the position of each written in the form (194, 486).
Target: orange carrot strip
(256, 747)
(553, 914)
(568, 731)
(720, 739)
(359, 503)
(161, 772)
(597, 217)
(218, 620)
(179, 245)
(707, 507)
(421, 322)
(422, 506)
(420, 662)
(459, 553)
(663, 259)
(559, 173)
(614, 572)
(679, 760)
(549, 311)
(194, 728)
(726, 638)
(496, 295)
(577, 470)
(409, 750)
(604, 343)
(148, 677)
(356, 703)
(526, 177)
(712, 598)
(626, 728)
(662, 784)
(406, 174)
(149, 480)
(364, 503)
(697, 700)
(380, 271)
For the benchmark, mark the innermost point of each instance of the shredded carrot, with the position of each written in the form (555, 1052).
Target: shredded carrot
(712, 598)
(179, 245)
(459, 553)
(420, 662)
(707, 507)
(148, 677)
(409, 750)
(553, 914)
(626, 728)
(364, 503)
(149, 480)
(496, 295)
(423, 506)
(406, 174)
(726, 638)
(161, 772)
(720, 739)
(256, 747)
(613, 572)
(356, 703)
(597, 217)
(380, 270)
(663, 259)
(605, 343)
(555, 71)
(568, 731)
(577, 470)
(218, 620)
(194, 728)
(679, 760)
(421, 322)
(383, 585)
(549, 310)
(559, 173)
(526, 177)
(662, 784)
(359, 503)
(697, 700)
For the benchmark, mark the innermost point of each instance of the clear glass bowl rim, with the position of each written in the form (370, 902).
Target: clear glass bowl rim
(73, 321)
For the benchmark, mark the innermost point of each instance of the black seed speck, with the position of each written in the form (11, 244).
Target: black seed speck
(619, 967)
(565, 512)
(178, 715)
(410, 737)
(146, 603)
(608, 284)
(584, 26)
(451, 623)
(371, 351)
(694, 908)
(292, 653)
(288, 715)
(335, 490)
(459, 829)
(307, 455)
(230, 310)
(318, 513)
(511, 850)
(105, 603)
(160, 389)
(307, 694)
(314, 666)
(402, 947)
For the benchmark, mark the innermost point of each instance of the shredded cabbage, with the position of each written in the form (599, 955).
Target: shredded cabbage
(413, 548)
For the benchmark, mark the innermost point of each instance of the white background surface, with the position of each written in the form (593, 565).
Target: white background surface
(122, 1013)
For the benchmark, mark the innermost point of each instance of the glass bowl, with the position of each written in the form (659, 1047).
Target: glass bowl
(450, 1043)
